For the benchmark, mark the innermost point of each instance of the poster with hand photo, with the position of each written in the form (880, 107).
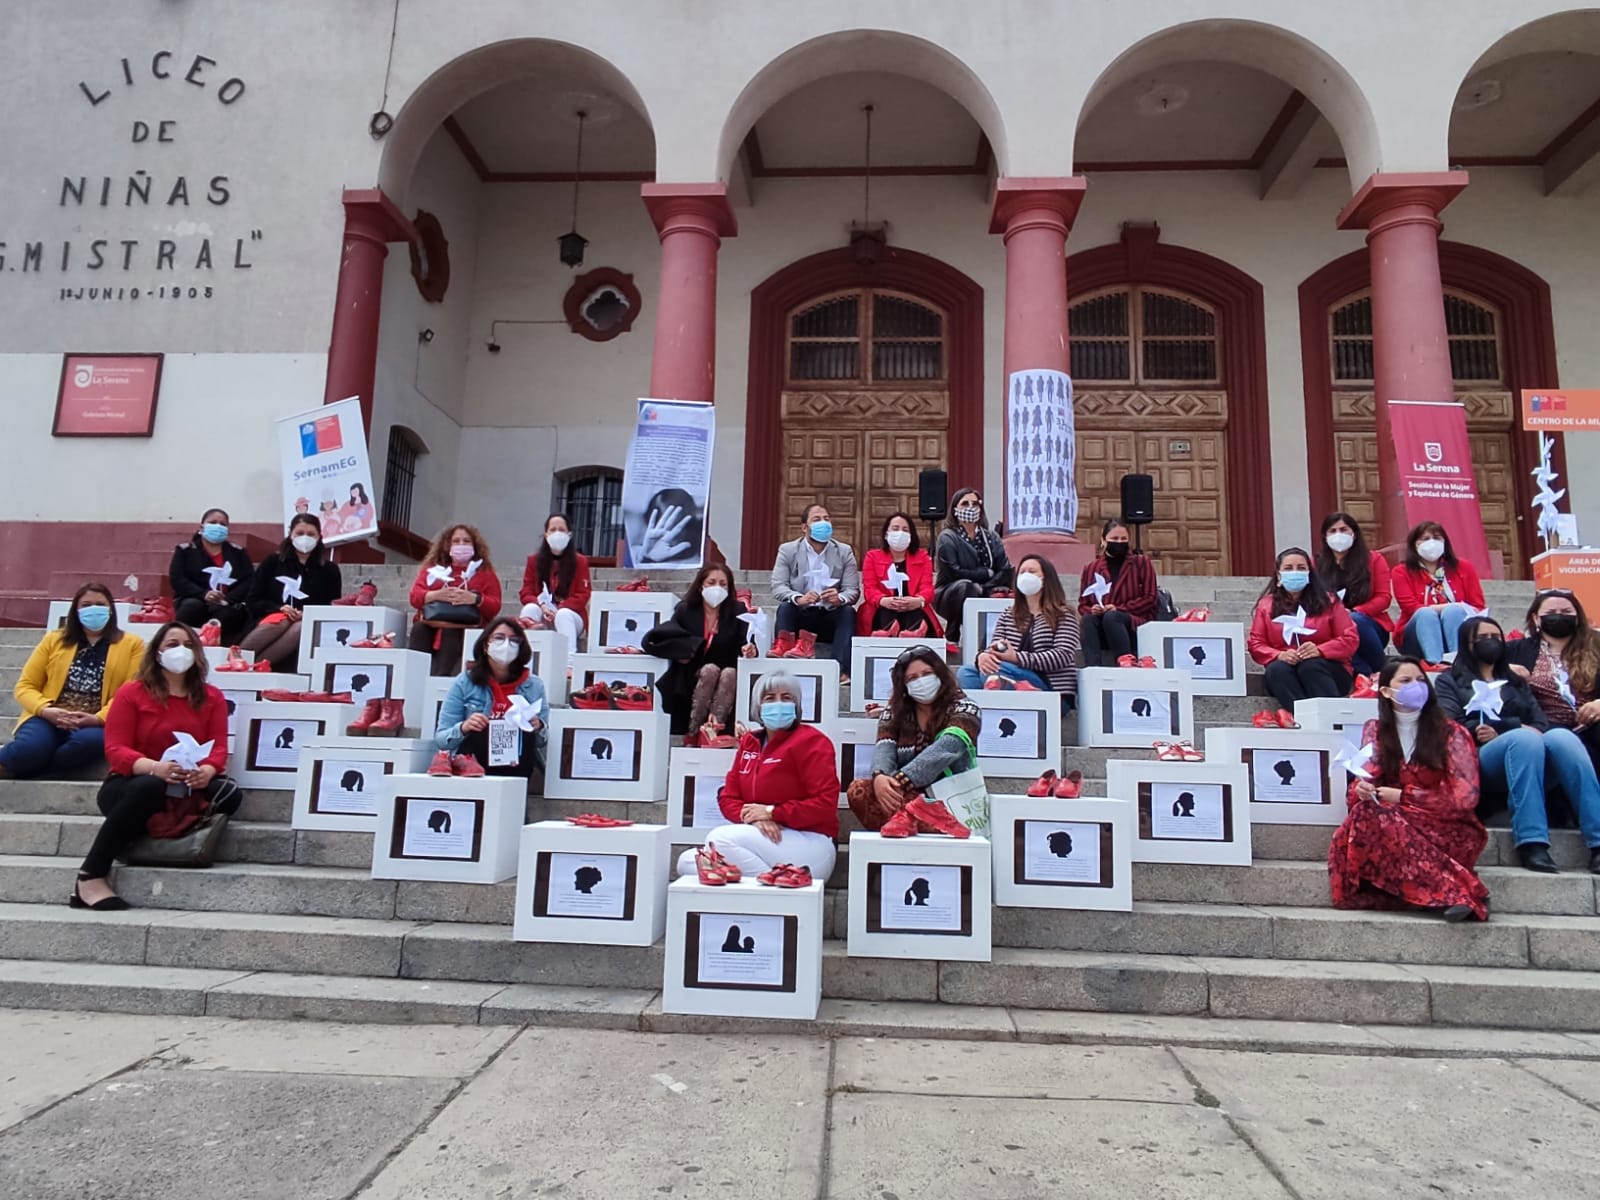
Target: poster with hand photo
(1060, 852)
(347, 786)
(436, 828)
(588, 885)
(920, 898)
(604, 753)
(1187, 811)
(666, 483)
(1289, 776)
(740, 949)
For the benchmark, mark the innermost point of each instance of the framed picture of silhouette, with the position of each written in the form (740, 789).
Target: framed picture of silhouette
(743, 950)
(598, 754)
(337, 784)
(1021, 732)
(448, 829)
(695, 776)
(618, 619)
(1295, 778)
(269, 736)
(1185, 812)
(588, 886)
(1051, 853)
(1134, 706)
(921, 897)
(854, 739)
(1211, 652)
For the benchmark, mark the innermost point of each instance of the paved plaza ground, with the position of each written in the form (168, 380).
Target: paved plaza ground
(107, 1107)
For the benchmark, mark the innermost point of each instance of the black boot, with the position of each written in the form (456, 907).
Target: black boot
(1535, 856)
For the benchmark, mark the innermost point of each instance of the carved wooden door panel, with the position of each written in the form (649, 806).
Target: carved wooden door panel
(1104, 457)
(1190, 534)
(822, 465)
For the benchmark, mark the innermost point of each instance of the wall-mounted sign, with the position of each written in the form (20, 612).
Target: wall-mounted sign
(1567, 409)
(107, 395)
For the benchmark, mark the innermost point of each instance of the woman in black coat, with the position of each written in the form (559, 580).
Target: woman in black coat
(276, 605)
(969, 560)
(704, 640)
(196, 569)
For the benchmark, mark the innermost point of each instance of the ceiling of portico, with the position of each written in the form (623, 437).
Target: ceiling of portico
(528, 129)
(1521, 106)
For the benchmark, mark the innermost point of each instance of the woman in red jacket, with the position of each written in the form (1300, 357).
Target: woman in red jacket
(898, 604)
(555, 584)
(1117, 594)
(456, 589)
(1303, 636)
(169, 697)
(1359, 577)
(782, 795)
(1436, 592)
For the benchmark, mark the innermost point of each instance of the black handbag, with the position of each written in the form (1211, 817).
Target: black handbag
(451, 614)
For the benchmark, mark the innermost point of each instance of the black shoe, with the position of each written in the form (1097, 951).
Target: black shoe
(109, 904)
(1535, 856)
(1457, 913)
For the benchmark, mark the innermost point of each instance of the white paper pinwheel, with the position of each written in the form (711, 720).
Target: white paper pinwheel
(291, 588)
(221, 577)
(438, 574)
(1547, 498)
(186, 752)
(1099, 589)
(546, 600)
(1486, 699)
(760, 626)
(523, 712)
(1340, 593)
(1294, 625)
(895, 578)
(472, 569)
(818, 580)
(1564, 684)
(1355, 761)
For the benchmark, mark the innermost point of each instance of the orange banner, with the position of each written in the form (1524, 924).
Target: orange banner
(1560, 410)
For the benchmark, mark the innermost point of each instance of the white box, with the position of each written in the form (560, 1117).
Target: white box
(1132, 706)
(447, 829)
(780, 975)
(927, 896)
(549, 662)
(978, 620)
(241, 687)
(1166, 796)
(433, 693)
(694, 777)
(623, 618)
(639, 670)
(871, 660)
(1212, 652)
(1021, 732)
(335, 628)
(266, 752)
(1342, 715)
(598, 887)
(1051, 853)
(336, 786)
(376, 675)
(854, 739)
(819, 688)
(1294, 779)
(56, 617)
(598, 754)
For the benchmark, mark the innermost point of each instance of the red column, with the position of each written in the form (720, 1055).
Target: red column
(371, 222)
(1411, 352)
(692, 220)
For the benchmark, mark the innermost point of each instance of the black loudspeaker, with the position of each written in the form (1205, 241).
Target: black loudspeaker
(933, 494)
(1138, 499)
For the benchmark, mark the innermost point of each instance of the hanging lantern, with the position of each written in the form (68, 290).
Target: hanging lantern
(572, 242)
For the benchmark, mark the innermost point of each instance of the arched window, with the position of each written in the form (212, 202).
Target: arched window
(1142, 336)
(1472, 327)
(400, 475)
(592, 499)
(863, 338)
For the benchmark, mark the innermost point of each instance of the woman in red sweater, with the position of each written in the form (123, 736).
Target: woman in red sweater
(1436, 592)
(555, 584)
(1108, 619)
(456, 589)
(1359, 577)
(782, 793)
(901, 604)
(170, 696)
(1302, 636)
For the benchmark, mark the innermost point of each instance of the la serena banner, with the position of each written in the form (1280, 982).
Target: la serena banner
(1436, 479)
(325, 471)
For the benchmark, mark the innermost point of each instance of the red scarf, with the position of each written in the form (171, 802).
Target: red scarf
(500, 694)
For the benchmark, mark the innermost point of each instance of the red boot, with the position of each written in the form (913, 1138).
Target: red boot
(805, 645)
(363, 596)
(369, 714)
(391, 719)
(783, 643)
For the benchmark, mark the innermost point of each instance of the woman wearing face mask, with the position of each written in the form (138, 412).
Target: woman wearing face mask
(481, 694)
(198, 565)
(897, 585)
(1302, 636)
(456, 589)
(555, 584)
(1035, 640)
(971, 560)
(276, 606)
(1360, 579)
(169, 696)
(1108, 618)
(1436, 591)
(66, 687)
(704, 640)
(1413, 834)
(1517, 746)
(781, 795)
(929, 730)
(1560, 659)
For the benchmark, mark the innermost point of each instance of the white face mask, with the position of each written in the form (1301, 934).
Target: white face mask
(1029, 585)
(304, 543)
(503, 650)
(1339, 543)
(1430, 549)
(177, 659)
(714, 595)
(558, 539)
(898, 539)
(923, 688)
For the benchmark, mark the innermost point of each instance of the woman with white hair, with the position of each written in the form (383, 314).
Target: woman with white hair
(781, 797)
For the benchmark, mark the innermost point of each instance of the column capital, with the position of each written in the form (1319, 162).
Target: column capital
(1384, 193)
(1051, 199)
(696, 207)
(372, 216)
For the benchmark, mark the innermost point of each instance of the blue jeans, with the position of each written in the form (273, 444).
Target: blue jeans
(1521, 759)
(971, 680)
(39, 747)
(1430, 634)
(1369, 655)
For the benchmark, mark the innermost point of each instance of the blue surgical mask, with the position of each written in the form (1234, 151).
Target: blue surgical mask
(214, 533)
(821, 531)
(94, 617)
(1294, 581)
(778, 714)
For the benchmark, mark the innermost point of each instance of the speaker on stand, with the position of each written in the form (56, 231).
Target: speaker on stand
(933, 500)
(1138, 505)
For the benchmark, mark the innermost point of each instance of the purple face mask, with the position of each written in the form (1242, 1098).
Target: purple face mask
(1410, 697)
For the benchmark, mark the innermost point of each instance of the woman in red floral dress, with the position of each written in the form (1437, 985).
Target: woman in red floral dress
(1413, 833)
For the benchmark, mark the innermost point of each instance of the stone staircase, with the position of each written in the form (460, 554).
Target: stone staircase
(289, 924)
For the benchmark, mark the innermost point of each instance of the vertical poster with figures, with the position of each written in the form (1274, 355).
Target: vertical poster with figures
(666, 483)
(323, 454)
(1041, 458)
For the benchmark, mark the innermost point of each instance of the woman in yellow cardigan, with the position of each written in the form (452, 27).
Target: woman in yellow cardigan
(66, 689)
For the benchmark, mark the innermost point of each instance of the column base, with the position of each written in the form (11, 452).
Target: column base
(1061, 550)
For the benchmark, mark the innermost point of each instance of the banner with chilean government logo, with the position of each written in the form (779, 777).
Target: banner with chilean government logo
(326, 472)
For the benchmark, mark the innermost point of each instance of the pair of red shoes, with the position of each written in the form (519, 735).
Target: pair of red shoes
(699, 739)
(463, 766)
(1128, 660)
(617, 695)
(623, 650)
(1062, 787)
(920, 811)
(1178, 752)
(894, 630)
(641, 584)
(1366, 688)
(155, 612)
(362, 597)
(713, 869)
(1194, 614)
(789, 644)
(786, 875)
(380, 718)
(1282, 719)
(596, 821)
(236, 661)
(999, 683)
(283, 696)
(385, 642)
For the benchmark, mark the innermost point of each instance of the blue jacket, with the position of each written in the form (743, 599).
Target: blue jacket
(465, 698)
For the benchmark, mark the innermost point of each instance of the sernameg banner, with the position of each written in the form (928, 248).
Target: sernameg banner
(1436, 479)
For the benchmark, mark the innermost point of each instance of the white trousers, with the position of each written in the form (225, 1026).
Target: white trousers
(570, 626)
(747, 848)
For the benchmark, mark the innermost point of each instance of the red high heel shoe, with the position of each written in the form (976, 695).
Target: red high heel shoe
(235, 661)
(730, 872)
(1043, 785)
(635, 699)
(1069, 786)
(262, 666)
(362, 597)
(641, 584)
(595, 696)
(1194, 614)
(210, 633)
(1127, 660)
(707, 870)
(1147, 663)
(1366, 688)
(794, 877)
(1285, 719)
(385, 642)
(715, 739)
(933, 812)
(1265, 719)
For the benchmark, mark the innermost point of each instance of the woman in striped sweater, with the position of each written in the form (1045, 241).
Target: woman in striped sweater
(1035, 641)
